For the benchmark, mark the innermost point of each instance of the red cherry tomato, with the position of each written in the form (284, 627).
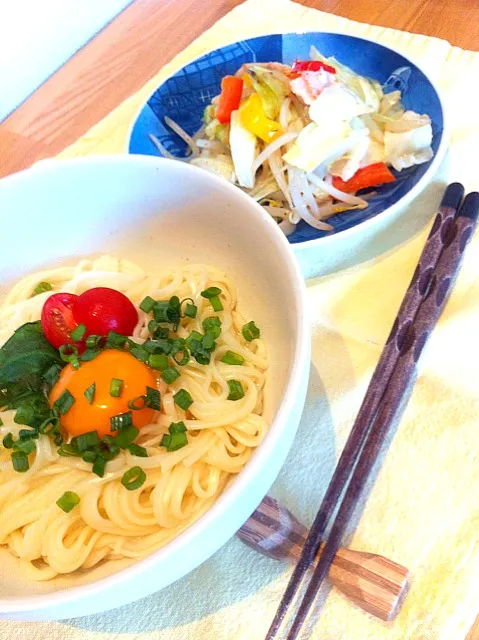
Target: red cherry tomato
(102, 310)
(57, 318)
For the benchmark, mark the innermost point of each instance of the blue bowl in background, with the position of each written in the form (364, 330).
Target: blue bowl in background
(184, 96)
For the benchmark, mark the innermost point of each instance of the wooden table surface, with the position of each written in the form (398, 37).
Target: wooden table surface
(147, 34)
(136, 44)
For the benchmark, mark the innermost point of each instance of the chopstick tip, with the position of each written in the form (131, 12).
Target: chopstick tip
(470, 206)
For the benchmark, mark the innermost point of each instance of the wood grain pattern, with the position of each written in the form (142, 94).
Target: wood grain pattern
(149, 33)
(454, 20)
(376, 584)
(111, 67)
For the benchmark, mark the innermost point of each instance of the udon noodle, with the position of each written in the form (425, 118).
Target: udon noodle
(111, 523)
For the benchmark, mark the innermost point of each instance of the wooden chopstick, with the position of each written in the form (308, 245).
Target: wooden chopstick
(410, 344)
(434, 246)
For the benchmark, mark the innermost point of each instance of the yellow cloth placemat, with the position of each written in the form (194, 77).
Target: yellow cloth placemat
(423, 510)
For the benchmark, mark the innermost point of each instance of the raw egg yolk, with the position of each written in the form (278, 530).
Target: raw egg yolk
(83, 416)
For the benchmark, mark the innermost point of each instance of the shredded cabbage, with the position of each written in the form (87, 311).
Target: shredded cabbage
(328, 125)
(271, 90)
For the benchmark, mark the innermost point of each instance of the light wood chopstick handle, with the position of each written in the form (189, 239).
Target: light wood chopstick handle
(374, 583)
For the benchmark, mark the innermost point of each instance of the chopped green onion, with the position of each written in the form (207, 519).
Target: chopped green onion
(174, 311)
(147, 304)
(216, 304)
(68, 501)
(152, 326)
(93, 342)
(136, 450)
(157, 346)
(51, 424)
(8, 441)
(42, 287)
(90, 393)
(153, 398)
(174, 441)
(64, 402)
(176, 438)
(177, 427)
(28, 434)
(115, 340)
(52, 374)
(236, 390)
(250, 331)
(89, 354)
(211, 292)
(166, 441)
(208, 342)
(108, 447)
(86, 441)
(134, 478)
(161, 333)
(185, 358)
(57, 438)
(170, 375)
(20, 461)
(89, 456)
(231, 357)
(212, 326)
(133, 404)
(25, 414)
(99, 466)
(138, 351)
(126, 437)
(200, 354)
(26, 446)
(160, 311)
(78, 333)
(191, 310)
(176, 344)
(121, 421)
(183, 399)
(69, 353)
(194, 335)
(116, 385)
(158, 361)
(1, 422)
(68, 451)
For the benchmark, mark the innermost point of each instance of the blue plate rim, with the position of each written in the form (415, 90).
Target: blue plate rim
(404, 201)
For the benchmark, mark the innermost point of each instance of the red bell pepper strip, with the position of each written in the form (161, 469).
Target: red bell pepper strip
(371, 176)
(312, 65)
(230, 98)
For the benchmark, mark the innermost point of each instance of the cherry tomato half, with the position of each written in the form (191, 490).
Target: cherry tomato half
(57, 318)
(102, 310)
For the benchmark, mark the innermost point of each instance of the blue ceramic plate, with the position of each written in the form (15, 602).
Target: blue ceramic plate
(184, 96)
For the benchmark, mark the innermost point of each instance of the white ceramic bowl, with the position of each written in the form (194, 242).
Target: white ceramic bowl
(152, 211)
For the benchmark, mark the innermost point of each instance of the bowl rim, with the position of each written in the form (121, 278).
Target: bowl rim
(389, 211)
(278, 427)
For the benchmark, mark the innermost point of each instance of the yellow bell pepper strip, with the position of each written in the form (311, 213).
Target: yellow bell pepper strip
(254, 119)
(230, 98)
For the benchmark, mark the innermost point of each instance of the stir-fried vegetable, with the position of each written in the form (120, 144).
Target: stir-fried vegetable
(303, 139)
(312, 65)
(371, 176)
(254, 118)
(230, 98)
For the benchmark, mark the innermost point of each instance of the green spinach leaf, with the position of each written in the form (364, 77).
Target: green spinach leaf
(24, 359)
(26, 353)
